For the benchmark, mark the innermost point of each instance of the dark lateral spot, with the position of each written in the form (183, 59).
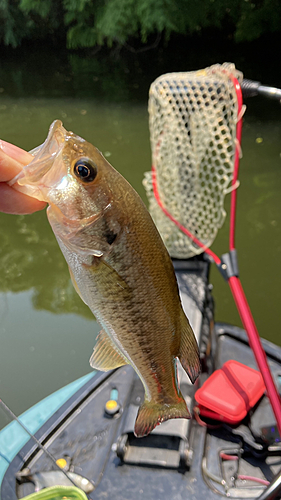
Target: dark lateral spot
(110, 237)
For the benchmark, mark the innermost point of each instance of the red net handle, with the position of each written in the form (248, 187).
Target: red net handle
(238, 91)
(234, 282)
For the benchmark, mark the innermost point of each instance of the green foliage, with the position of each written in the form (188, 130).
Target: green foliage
(87, 23)
(41, 8)
(13, 25)
(258, 17)
(80, 18)
(30, 19)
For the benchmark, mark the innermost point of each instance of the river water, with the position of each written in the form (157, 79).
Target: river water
(46, 333)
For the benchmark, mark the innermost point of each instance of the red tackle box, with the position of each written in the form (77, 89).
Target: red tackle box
(230, 392)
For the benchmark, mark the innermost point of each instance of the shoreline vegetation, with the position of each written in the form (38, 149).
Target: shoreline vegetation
(46, 69)
(136, 25)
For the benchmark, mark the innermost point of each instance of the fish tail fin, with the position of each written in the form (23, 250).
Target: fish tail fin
(152, 414)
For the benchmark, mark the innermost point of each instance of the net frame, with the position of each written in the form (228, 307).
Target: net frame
(193, 120)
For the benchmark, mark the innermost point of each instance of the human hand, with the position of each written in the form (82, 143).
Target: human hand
(12, 160)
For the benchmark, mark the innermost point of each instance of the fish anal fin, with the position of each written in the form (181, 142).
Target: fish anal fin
(105, 356)
(152, 414)
(188, 352)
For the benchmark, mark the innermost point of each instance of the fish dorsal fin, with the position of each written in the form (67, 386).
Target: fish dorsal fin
(75, 285)
(189, 352)
(105, 356)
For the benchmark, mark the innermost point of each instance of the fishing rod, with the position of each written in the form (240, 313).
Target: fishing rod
(38, 443)
(228, 264)
(251, 88)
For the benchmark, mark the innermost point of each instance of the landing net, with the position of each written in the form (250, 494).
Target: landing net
(192, 119)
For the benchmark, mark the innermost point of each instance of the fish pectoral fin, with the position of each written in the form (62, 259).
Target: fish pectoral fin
(115, 287)
(152, 414)
(189, 352)
(75, 285)
(105, 356)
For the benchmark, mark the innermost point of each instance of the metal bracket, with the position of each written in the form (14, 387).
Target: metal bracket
(229, 265)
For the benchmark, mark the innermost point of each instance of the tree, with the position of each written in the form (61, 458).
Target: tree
(13, 25)
(89, 23)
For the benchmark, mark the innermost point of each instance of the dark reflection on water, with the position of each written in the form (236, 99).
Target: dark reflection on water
(105, 100)
(46, 71)
(29, 258)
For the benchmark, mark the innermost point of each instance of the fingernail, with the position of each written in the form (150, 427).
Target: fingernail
(10, 149)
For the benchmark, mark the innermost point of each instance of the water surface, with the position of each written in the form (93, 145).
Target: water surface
(47, 334)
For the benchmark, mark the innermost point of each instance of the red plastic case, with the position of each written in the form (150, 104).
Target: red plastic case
(230, 392)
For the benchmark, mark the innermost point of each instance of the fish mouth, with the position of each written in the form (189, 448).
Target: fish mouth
(72, 224)
(32, 179)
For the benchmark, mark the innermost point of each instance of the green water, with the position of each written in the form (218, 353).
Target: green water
(46, 333)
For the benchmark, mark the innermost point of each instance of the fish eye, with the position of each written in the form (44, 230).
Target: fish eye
(85, 170)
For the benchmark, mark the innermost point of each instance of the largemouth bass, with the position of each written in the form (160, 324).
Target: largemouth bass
(120, 268)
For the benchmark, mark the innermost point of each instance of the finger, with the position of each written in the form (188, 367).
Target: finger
(12, 159)
(14, 202)
(16, 153)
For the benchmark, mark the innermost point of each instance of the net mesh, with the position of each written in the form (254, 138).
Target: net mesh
(192, 119)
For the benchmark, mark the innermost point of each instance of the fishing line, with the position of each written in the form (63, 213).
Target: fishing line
(40, 445)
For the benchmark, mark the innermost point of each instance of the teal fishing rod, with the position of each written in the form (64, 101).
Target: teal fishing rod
(40, 445)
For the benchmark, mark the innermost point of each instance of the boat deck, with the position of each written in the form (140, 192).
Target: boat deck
(180, 459)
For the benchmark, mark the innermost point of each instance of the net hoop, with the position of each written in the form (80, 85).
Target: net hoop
(195, 142)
